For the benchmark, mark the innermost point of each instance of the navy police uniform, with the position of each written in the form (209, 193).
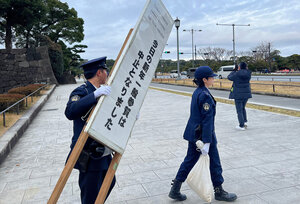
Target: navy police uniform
(201, 122)
(241, 91)
(91, 164)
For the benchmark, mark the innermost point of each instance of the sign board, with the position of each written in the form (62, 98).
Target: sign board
(114, 116)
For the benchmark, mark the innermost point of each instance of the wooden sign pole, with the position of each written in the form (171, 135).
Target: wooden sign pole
(76, 152)
(108, 179)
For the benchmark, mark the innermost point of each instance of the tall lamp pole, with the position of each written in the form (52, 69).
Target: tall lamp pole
(233, 38)
(177, 24)
(192, 31)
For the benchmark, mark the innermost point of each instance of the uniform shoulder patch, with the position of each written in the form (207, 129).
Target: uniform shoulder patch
(75, 98)
(206, 106)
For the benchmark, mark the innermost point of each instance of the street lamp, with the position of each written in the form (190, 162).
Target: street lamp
(177, 24)
(192, 30)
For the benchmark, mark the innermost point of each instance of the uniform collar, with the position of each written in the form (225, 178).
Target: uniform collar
(90, 85)
(207, 90)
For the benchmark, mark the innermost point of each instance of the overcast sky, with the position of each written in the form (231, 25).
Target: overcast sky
(107, 22)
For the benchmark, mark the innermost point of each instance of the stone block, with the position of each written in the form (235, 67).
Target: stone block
(18, 51)
(34, 63)
(24, 64)
(21, 57)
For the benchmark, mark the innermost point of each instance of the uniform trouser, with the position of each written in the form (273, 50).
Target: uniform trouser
(240, 105)
(191, 159)
(90, 184)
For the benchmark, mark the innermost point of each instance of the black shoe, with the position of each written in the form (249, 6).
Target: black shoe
(222, 195)
(175, 191)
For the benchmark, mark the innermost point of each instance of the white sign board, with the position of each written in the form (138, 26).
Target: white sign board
(114, 116)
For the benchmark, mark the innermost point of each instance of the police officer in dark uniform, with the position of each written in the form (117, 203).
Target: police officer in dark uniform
(240, 92)
(201, 126)
(94, 159)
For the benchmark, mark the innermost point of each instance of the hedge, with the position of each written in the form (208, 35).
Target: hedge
(26, 90)
(7, 100)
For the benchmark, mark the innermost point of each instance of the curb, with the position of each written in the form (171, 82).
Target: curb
(9, 139)
(253, 105)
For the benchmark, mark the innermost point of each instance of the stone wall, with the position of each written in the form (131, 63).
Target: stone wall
(20, 67)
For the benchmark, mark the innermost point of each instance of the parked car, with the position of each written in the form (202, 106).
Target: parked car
(183, 73)
(191, 72)
(224, 71)
(174, 74)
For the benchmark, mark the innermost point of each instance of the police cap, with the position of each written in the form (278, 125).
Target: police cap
(91, 67)
(204, 72)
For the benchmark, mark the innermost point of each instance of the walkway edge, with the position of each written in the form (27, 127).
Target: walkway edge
(259, 106)
(9, 139)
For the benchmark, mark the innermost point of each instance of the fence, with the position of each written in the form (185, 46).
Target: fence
(283, 78)
(279, 88)
(18, 103)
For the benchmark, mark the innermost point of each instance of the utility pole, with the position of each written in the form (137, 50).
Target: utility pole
(269, 58)
(195, 53)
(192, 31)
(233, 38)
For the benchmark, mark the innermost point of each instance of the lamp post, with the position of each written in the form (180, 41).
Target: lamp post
(177, 24)
(192, 31)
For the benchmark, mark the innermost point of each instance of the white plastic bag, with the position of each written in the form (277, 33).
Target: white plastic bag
(199, 178)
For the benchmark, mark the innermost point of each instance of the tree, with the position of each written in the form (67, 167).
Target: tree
(60, 23)
(18, 13)
(214, 53)
(293, 61)
(72, 59)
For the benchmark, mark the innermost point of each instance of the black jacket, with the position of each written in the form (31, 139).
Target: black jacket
(241, 84)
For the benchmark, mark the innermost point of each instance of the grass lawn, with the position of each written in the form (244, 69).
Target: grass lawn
(264, 87)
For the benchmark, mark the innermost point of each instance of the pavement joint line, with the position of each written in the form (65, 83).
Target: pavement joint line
(10, 138)
(253, 105)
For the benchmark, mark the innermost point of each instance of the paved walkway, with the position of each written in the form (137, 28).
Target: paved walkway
(262, 164)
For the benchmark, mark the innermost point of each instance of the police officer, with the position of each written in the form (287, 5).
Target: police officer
(94, 159)
(201, 126)
(240, 92)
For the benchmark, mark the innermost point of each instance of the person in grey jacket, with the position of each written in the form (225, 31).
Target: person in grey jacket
(241, 92)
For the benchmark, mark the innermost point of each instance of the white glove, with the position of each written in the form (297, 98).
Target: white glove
(107, 151)
(102, 90)
(205, 149)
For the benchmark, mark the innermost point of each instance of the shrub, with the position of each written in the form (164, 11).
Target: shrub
(20, 90)
(25, 90)
(34, 87)
(7, 100)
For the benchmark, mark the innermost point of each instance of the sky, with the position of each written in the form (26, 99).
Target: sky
(107, 22)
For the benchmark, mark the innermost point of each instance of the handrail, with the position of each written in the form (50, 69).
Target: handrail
(16, 103)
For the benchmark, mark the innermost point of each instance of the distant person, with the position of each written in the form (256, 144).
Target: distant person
(201, 125)
(240, 92)
(94, 159)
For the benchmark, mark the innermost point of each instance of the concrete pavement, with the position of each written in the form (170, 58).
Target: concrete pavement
(262, 164)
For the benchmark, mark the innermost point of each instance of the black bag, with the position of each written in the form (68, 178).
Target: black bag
(83, 161)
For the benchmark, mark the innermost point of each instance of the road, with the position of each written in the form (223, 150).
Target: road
(290, 103)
